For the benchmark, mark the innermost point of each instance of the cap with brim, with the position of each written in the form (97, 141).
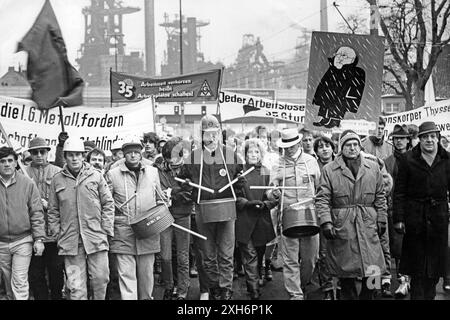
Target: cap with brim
(400, 132)
(289, 138)
(38, 143)
(427, 127)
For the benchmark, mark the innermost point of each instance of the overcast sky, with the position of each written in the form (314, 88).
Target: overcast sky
(276, 22)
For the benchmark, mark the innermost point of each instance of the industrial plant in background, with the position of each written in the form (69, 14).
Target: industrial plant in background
(193, 59)
(104, 46)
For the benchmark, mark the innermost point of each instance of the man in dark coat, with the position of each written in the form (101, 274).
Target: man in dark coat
(341, 88)
(421, 211)
(402, 143)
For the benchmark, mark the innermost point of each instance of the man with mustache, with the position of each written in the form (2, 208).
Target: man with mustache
(96, 158)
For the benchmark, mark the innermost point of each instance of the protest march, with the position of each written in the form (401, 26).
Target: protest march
(185, 185)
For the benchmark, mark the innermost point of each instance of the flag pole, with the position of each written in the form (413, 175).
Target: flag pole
(110, 87)
(61, 118)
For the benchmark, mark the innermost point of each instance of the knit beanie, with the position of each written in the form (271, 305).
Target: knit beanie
(349, 135)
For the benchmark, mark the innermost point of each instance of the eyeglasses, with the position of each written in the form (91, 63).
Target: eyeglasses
(36, 152)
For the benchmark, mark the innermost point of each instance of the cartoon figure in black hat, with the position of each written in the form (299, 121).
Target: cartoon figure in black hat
(340, 89)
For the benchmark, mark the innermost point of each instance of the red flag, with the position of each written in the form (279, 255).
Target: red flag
(53, 79)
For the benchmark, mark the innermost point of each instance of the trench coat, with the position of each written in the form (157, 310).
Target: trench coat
(421, 202)
(255, 225)
(353, 206)
(122, 183)
(80, 207)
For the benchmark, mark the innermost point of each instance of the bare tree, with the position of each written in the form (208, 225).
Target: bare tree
(356, 24)
(414, 30)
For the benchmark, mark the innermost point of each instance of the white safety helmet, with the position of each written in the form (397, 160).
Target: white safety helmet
(117, 145)
(132, 141)
(74, 145)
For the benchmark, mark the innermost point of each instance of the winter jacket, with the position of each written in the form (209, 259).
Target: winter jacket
(214, 174)
(421, 202)
(379, 148)
(301, 172)
(122, 183)
(42, 177)
(253, 224)
(353, 206)
(80, 207)
(20, 210)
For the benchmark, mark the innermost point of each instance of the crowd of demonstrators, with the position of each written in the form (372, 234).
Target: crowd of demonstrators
(381, 206)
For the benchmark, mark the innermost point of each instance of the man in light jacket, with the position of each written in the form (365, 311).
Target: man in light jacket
(351, 205)
(81, 215)
(134, 257)
(21, 225)
(297, 169)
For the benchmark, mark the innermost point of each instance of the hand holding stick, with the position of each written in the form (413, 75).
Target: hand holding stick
(236, 179)
(195, 185)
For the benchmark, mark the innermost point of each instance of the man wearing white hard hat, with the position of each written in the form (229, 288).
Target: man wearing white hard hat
(81, 215)
(134, 257)
(296, 169)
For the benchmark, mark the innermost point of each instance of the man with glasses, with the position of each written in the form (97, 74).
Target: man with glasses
(42, 173)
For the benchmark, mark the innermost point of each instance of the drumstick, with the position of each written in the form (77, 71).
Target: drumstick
(302, 202)
(195, 185)
(131, 198)
(235, 180)
(189, 231)
(277, 187)
(126, 214)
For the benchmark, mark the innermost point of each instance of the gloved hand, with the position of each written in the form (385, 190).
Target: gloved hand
(399, 227)
(254, 205)
(62, 137)
(186, 186)
(178, 194)
(328, 231)
(242, 181)
(381, 228)
(276, 193)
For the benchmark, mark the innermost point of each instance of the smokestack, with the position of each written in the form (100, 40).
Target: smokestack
(150, 37)
(323, 16)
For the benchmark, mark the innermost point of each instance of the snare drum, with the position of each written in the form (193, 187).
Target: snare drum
(155, 221)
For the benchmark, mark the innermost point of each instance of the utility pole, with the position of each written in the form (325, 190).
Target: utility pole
(374, 17)
(182, 119)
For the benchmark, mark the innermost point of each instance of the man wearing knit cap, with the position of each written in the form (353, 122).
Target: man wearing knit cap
(421, 211)
(351, 205)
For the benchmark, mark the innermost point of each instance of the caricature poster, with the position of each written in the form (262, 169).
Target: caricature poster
(344, 80)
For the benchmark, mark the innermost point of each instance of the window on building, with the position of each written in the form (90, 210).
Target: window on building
(392, 107)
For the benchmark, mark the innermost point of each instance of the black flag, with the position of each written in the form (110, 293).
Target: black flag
(54, 81)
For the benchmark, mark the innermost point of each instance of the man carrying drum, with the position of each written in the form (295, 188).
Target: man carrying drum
(299, 174)
(216, 211)
(133, 186)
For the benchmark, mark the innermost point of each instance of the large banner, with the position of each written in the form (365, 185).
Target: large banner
(23, 121)
(240, 106)
(439, 112)
(195, 87)
(344, 79)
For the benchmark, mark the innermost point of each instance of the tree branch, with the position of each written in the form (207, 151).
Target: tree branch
(397, 78)
(423, 35)
(445, 18)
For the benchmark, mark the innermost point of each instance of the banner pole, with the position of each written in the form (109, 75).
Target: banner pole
(110, 87)
(61, 118)
(21, 165)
